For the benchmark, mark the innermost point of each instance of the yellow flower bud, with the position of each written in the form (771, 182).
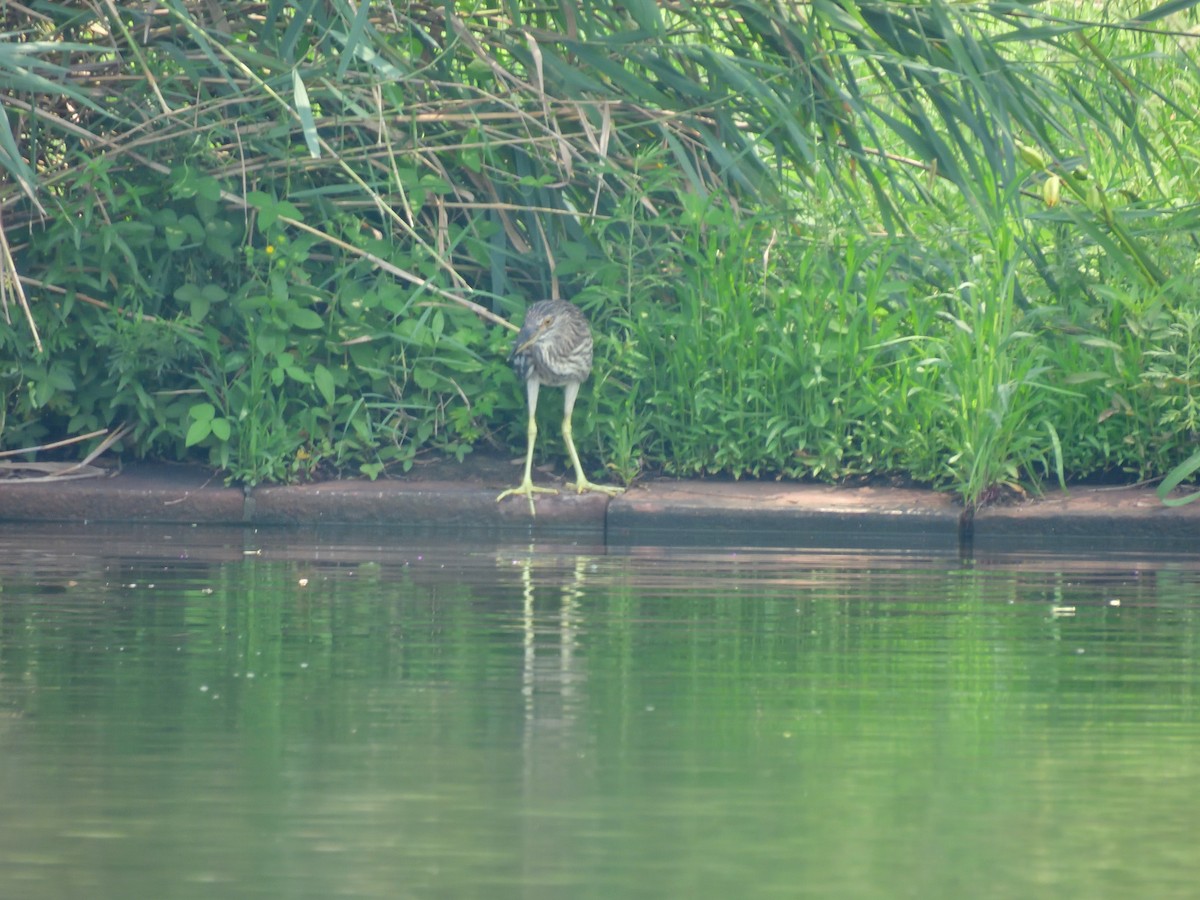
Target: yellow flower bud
(1052, 190)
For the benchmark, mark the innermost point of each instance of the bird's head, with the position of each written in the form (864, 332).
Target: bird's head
(540, 327)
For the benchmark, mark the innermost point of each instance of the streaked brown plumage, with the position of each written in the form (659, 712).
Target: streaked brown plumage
(554, 345)
(554, 348)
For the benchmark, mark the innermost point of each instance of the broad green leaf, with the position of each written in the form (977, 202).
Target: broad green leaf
(323, 379)
(202, 412)
(426, 379)
(304, 318)
(197, 432)
(304, 110)
(270, 209)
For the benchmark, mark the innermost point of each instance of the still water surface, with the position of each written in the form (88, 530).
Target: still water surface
(223, 713)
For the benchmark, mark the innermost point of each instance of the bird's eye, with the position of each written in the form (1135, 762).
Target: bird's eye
(548, 321)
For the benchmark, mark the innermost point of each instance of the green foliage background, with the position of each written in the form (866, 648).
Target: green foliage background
(954, 243)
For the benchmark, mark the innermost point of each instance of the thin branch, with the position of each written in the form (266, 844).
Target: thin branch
(241, 203)
(100, 304)
(10, 278)
(55, 445)
(391, 269)
(61, 471)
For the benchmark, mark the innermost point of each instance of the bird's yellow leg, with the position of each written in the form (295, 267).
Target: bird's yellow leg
(581, 482)
(527, 488)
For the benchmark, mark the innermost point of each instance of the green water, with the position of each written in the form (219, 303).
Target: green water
(211, 713)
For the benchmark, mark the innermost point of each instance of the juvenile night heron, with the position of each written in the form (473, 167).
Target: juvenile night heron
(554, 348)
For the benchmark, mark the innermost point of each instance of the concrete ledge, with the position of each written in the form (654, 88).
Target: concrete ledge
(1098, 516)
(419, 504)
(142, 493)
(748, 512)
(463, 495)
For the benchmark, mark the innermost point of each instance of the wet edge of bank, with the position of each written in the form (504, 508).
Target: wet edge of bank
(661, 511)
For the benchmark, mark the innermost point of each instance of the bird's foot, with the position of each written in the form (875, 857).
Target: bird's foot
(526, 489)
(582, 485)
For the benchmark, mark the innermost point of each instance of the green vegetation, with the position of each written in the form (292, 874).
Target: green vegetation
(952, 243)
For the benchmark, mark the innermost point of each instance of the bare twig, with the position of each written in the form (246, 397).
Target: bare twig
(60, 471)
(381, 263)
(100, 304)
(55, 445)
(65, 471)
(100, 448)
(10, 280)
(147, 71)
(481, 311)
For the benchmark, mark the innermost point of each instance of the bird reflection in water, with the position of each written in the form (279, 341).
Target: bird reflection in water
(548, 683)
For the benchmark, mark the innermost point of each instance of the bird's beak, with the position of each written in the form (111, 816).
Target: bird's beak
(541, 329)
